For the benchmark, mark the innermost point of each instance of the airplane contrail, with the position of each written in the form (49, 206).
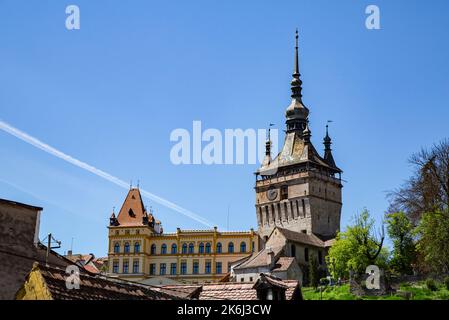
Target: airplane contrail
(61, 155)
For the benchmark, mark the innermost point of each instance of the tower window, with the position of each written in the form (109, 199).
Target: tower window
(284, 192)
(303, 207)
(293, 250)
(306, 254)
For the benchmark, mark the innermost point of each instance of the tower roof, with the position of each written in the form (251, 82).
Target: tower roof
(133, 210)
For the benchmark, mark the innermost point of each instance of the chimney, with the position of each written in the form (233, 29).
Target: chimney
(270, 256)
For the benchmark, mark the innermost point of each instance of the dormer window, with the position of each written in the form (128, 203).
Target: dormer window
(131, 213)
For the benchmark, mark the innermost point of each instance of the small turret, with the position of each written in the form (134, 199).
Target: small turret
(327, 141)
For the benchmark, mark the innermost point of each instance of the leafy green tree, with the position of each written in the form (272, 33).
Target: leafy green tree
(356, 248)
(401, 232)
(434, 240)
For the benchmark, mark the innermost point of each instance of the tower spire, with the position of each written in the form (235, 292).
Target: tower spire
(296, 83)
(327, 141)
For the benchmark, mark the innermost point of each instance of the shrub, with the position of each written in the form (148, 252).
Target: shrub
(431, 285)
(446, 282)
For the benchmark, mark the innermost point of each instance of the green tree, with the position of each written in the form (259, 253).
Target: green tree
(401, 232)
(434, 240)
(314, 277)
(356, 248)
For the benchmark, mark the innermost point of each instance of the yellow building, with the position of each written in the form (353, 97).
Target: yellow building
(139, 250)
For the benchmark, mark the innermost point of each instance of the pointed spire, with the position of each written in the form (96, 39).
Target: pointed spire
(296, 83)
(267, 159)
(327, 141)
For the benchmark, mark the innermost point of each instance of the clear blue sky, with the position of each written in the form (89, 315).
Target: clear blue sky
(111, 93)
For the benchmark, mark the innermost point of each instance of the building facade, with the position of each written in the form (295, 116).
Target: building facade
(139, 250)
(299, 190)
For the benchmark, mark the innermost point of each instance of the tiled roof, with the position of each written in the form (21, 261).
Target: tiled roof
(295, 151)
(259, 259)
(300, 237)
(229, 291)
(96, 287)
(132, 211)
(182, 291)
(246, 290)
(283, 264)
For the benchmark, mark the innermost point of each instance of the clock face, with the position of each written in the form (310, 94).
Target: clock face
(272, 194)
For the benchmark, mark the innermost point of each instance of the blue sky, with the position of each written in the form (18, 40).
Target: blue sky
(111, 93)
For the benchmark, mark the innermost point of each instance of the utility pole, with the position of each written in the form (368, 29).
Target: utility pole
(49, 247)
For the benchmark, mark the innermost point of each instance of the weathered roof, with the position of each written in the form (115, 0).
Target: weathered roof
(183, 291)
(304, 238)
(95, 287)
(259, 259)
(283, 264)
(295, 151)
(247, 290)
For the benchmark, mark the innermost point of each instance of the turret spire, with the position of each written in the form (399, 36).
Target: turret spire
(327, 141)
(296, 84)
(296, 112)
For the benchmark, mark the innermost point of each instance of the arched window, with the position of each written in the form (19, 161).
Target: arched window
(184, 248)
(164, 249)
(153, 249)
(219, 247)
(243, 247)
(136, 247)
(191, 248)
(126, 247)
(201, 248)
(174, 248)
(208, 247)
(231, 247)
(116, 247)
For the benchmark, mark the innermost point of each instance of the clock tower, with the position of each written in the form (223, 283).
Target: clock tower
(299, 190)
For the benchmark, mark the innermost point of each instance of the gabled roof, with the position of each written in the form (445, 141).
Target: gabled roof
(133, 210)
(90, 287)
